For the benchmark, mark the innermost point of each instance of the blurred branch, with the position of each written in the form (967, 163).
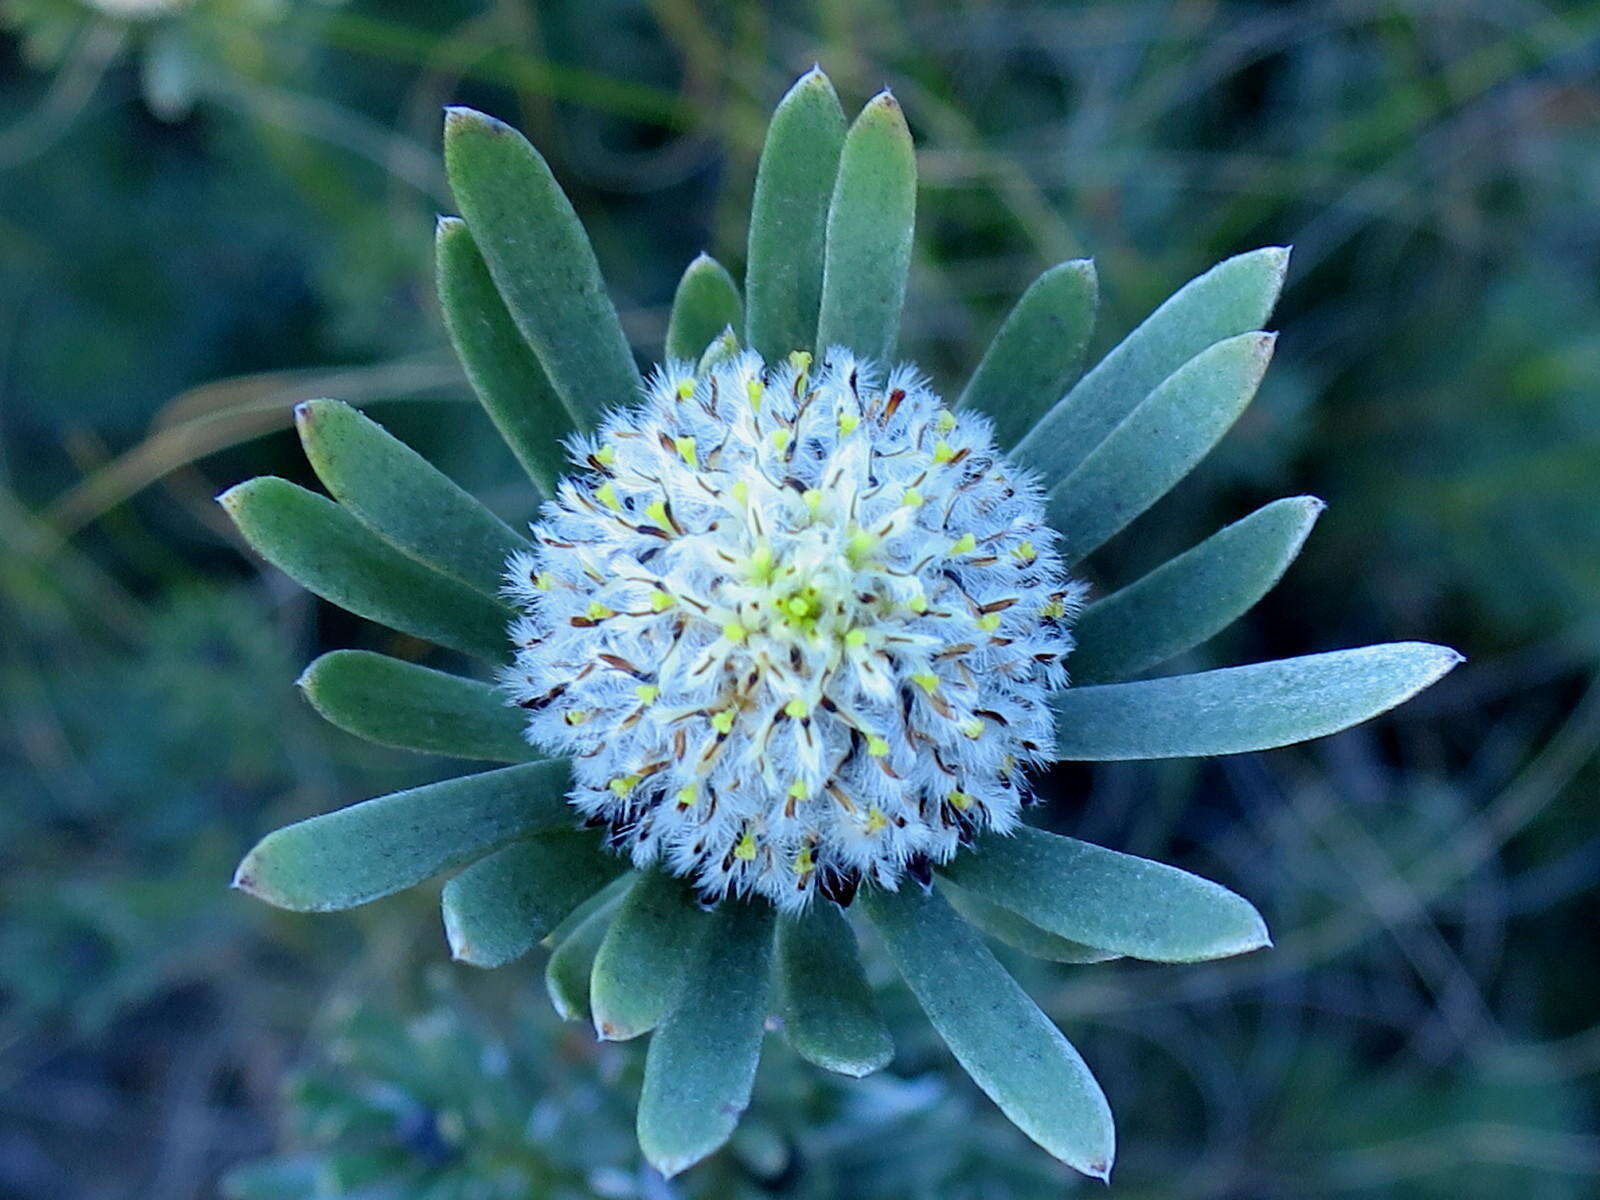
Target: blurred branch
(221, 415)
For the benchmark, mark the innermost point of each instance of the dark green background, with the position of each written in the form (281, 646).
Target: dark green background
(208, 216)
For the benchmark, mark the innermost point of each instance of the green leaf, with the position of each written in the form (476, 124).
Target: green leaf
(1037, 352)
(870, 220)
(379, 847)
(640, 969)
(706, 302)
(1114, 901)
(1239, 709)
(403, 498)
(702, 1062)
(501, 366)
(541, 262)
(1233, 297)
(1012, 930)
(1010, 1048)
(789, 218)
(828, 1014)
(575, 942)
(327, 551)
(1157, 444)
(400, 704)
(1193, 596)
(496, 909)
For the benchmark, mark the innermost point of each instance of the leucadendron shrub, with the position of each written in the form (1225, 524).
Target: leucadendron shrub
(790, 635)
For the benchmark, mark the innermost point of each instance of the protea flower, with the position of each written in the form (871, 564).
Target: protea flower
(790, 633)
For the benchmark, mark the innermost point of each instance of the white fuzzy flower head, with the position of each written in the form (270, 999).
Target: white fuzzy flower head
(797, 632)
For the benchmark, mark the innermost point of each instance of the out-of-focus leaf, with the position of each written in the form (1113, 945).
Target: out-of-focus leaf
(1238, 709)
(1158, 443)
(1010, 1048)
(641, 966)
(789, 218)
(411, 707)
(1037, 352)
(502, 368)
(1108, 900)
(382, 846)
(403, 498)
(828, 1014)
(870, 219)
(1234, 297)
(1018, 932)
(706, 302)
(702, 1061)
(1192, 597)
(541, 262)
(496, 909)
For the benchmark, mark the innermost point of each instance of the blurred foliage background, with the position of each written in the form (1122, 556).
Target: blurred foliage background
(212, 209)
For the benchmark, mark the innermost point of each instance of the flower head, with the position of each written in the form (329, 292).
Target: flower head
(795, 630)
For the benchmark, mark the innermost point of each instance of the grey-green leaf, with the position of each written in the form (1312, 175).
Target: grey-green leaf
(541, 262)
(496, 909)
(379, 847)
(789, 218)
(1157, 444)
(575, 942)
(702, 1061)
(1037, 352)
(1192, 597)
(1102, 898)
(403, 498)
(828, 1014)
(706, 302)
(640, 969)
(1234, 297)
(1013, 930)
(1239, 709)
(327, 551)
(501, 366)
(870, 223)
(1010, 1048)
(401, 704)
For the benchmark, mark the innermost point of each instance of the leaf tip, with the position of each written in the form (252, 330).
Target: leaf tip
(458, 118)
(229, 497)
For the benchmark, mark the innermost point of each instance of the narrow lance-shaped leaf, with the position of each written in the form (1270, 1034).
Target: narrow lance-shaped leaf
(1193, 596)
(702, 1061)
(1010, 1048)
(642, 963)
(870, 221)
(1115, 901)
(1239, 709)
(496, 909)
(411, 707)
(541, 262)
(573, 946)
(327, 551)
(1158, 444)
(379, 847)
(1013, 930)
(789, 218)
(403, 498)
(501, 366)
(828, 1014)
(1037, 352)
(1233, 297)
(706, 303)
